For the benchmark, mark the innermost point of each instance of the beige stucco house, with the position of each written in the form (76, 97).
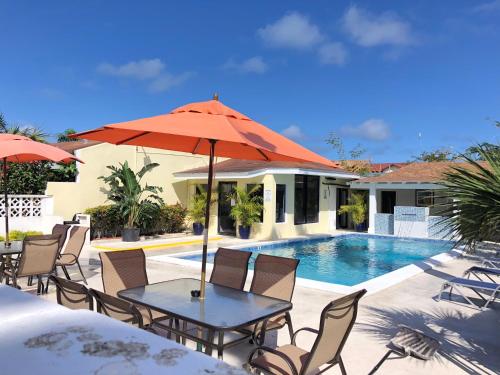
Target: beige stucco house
(298, 198)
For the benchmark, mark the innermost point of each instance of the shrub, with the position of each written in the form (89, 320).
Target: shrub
(106, 221)
(18, 235)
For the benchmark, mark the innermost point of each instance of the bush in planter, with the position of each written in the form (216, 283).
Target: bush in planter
(247, 209)
(131, 198)
(357, 208)
(198, 208)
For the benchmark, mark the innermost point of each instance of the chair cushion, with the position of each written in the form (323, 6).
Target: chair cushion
(276, 365)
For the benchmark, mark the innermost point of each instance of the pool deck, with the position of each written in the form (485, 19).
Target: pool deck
(469, 337)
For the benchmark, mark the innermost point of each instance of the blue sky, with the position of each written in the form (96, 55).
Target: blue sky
(397, 77)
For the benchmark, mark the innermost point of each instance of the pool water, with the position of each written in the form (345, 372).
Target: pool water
(348, 259)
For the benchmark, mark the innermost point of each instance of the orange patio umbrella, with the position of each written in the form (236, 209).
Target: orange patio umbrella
(207, 128)
(19, 149)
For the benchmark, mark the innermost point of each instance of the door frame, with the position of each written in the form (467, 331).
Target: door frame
(219, 200)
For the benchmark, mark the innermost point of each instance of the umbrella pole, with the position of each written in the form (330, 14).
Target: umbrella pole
(6, 197)
(207, 217)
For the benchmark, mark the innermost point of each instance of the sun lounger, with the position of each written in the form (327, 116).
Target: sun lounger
(474, 285)
(485, 271)
(491, 263)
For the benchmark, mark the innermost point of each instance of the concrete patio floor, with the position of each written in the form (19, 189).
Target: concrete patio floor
(469, 337)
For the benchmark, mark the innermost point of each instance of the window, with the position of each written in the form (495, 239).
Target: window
(201, 188)
(306, 199)
(259, 191)
(280, 203)
(424, 198)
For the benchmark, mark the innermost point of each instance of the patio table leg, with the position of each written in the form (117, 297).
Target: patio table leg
(220, 345)
(210, 340)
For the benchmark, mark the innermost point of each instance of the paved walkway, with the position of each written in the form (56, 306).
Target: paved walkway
(469, 338)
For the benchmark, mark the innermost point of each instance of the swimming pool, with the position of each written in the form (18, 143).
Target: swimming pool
(348, 259)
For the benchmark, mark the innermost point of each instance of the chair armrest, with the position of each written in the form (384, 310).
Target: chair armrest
(283, 356)
(312, 330)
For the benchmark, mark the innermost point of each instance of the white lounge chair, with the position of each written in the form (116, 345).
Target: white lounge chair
(485, 271)
(458, 283)
(490, 263)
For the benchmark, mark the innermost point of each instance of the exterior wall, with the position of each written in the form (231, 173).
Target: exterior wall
(384, 223)
(269, 229)
(88, 190)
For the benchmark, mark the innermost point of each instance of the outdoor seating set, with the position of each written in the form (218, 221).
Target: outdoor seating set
(39, 256)
(227, 316)
(488, 269)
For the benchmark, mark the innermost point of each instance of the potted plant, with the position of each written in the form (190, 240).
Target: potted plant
(130, 197)
(246, 210)
(198, 208)
(357, 208)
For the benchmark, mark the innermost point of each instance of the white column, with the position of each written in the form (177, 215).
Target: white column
(372, 209)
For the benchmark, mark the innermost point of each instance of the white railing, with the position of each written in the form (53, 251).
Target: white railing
(27, 205)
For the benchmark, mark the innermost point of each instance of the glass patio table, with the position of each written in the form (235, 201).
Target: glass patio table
(15, 248)
(223, 309)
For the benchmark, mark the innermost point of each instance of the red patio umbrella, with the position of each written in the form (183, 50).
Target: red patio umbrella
(207, 128)
(19, 149)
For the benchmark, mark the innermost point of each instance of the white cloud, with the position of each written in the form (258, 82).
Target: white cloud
(166, 81)
(293, 132)
(332, 53)
(293, 30)
(254, 64)
(142, 69)
(152, 70)
(369, 30)
(491, 6)
(372, 130)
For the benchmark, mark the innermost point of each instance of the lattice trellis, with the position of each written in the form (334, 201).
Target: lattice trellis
(22, 206)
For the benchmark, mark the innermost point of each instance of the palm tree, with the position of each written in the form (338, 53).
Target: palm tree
(473, 191)
(32, 132)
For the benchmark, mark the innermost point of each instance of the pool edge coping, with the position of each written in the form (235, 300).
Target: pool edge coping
(372, 286)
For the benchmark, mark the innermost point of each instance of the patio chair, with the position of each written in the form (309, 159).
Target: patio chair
(476, 286)
(230, 268)
(71, 294)
(485, 271)
(62, 230)
(72, 250)
(37, 258)
(337, 320)
(117, 308)
(273, 276)
(126, 269)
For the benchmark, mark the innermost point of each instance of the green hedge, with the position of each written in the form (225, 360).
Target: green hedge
(105, 221)
(18, 235)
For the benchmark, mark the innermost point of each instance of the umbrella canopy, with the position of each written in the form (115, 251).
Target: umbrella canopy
(206, 128)
(19, 149)
(189, 129)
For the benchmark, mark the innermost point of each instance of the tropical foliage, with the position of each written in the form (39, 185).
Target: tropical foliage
(127, 193)
(18, 235)
(474, 191)
(357, 208)
(65, 136)
(196, 212)
(26, 178)
(31, 132)
(248, 206)
(352, 161)
(106, 221)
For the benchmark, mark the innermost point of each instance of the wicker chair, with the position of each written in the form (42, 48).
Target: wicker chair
(124, 270)
(37, 258)
(337, 320)
(72, 250)
(273, 277)
(71, 294)
(230, 268)
(117, 308)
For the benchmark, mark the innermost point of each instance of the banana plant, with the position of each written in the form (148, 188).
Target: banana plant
(127, 193)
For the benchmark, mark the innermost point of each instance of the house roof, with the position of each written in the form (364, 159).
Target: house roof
(249, 168)
(380, 167)
(73, 146)
(414, 173)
